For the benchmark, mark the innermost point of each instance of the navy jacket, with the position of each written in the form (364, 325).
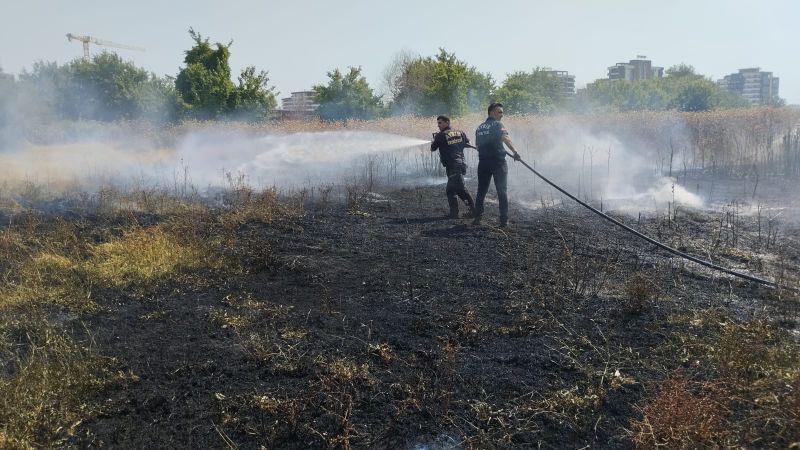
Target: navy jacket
(489, 139)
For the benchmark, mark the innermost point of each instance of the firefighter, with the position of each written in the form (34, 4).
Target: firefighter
(450, 144)
(490, 137)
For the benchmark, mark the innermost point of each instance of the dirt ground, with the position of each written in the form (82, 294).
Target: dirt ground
(385, 325)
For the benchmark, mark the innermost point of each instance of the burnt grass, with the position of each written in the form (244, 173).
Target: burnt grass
(385, 325)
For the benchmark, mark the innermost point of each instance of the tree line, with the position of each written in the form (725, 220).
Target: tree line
(107, 88)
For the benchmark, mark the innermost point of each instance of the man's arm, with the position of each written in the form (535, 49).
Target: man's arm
(437, 144)
(509, 144)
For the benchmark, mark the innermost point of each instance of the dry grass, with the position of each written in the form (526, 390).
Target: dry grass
(748, 392)
(50, 382)
(145, 255)
(53, 272)
(48, 278)
(759, 142)
(383, 351)
(640, 292)
(682, 415)
(244, 205)
(41, 263)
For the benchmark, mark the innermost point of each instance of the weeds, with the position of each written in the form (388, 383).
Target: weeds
(682, 415)
(640, 292)
(751, 371)
(581, 275)
(50, 383)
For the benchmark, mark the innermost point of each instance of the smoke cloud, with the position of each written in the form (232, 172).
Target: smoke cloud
(602, 168)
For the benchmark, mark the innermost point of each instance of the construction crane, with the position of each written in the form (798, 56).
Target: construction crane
(88, 39)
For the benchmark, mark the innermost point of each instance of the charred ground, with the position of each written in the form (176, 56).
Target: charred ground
(380, 324)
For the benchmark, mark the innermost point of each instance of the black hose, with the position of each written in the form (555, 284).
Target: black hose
(653, 241)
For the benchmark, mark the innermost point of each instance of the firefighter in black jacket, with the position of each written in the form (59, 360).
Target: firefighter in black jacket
(450, 144)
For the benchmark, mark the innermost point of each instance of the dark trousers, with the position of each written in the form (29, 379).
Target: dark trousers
(455, 187)
(488, 168)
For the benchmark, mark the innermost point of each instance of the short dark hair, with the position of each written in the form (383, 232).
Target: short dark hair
(493, 106)
(443, 117)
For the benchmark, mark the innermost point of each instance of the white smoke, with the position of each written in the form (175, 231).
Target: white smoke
(597, 167)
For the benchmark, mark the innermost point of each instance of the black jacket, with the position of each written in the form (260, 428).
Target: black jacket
(450, 144)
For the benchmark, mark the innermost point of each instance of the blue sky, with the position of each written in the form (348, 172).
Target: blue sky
(299, 41)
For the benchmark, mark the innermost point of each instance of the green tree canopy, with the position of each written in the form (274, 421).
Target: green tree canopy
(529, 92)
(696, 94)
(254, 97)
(102, 88)
(347, 96)
(440, 85)
(206, 88)
(682, 70)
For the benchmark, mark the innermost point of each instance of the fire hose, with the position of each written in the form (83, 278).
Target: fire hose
(658, 244)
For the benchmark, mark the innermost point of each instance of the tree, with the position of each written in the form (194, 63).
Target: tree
(622, 95)
(681, 70)
(103, 88)
(529, 92)
(158, 100)
(346, 96)
(254, 97)
(206, 88)
(205, 84)
(696, 94)
(7, 84)
(441, 85)
(393, 73)
(7, 100)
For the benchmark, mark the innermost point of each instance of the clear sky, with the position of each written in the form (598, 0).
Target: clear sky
(298, 41)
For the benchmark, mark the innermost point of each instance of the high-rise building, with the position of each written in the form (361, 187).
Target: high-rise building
(635, 70)
(565, 80)
(755, 86)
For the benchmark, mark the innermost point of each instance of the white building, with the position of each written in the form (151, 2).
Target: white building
(635, 70)
(300, 105)
(755, 86)
(565, 80)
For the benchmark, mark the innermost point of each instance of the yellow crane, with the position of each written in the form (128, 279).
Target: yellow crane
(89, 39)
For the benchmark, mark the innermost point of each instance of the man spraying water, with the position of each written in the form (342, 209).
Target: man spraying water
(450, 144)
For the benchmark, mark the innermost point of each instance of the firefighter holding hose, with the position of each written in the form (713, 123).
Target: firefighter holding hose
(490, 137)
(450, 144)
